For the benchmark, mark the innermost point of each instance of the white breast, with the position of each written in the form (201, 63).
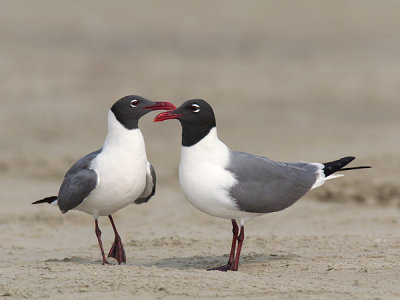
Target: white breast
(203, 177)
(121, 169)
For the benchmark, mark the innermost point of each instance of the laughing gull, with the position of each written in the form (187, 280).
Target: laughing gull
(236, 185)
(114, 176)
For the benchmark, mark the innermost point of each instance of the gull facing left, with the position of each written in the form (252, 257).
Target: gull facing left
(235, 185)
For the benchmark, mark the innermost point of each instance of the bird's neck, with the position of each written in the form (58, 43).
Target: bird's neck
(210, 148)
(121, 139)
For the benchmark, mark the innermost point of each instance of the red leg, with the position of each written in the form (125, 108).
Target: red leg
(228, 266)
(239, 248)
(117, 250)
(98, 234)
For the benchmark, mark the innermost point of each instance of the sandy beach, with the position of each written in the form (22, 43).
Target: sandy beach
(294, 82)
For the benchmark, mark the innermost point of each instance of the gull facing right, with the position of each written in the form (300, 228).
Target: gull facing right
(237, 185)
(118, 174)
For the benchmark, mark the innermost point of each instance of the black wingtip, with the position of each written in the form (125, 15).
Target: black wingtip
(334, 166)
(46, 200)
(355, 168)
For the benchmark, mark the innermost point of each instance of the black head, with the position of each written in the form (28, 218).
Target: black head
(196, 117)
(128, 110)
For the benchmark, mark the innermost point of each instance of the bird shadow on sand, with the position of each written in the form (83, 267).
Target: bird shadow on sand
(75, 260)
(87, 261)
(211, 261)
(183, 263)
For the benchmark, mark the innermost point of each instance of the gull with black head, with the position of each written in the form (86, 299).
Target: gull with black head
(237, 185)
(116, 175)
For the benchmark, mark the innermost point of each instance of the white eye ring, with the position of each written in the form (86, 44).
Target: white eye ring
(134, 102)
(195, 108)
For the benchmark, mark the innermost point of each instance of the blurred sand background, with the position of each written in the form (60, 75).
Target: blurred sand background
(291, 80)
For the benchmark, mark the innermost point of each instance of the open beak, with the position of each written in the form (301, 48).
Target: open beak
(161, 106)
(166, 116)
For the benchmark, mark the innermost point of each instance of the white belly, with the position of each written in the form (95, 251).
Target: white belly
(121, 168)
(119, 185)
(205, 181)
(206, 186)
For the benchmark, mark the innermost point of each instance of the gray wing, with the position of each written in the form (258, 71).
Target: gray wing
(264, 185)
(150, 188)
(78, 183)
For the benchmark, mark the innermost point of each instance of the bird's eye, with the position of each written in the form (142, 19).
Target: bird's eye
(195, 108)
(134, 102)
